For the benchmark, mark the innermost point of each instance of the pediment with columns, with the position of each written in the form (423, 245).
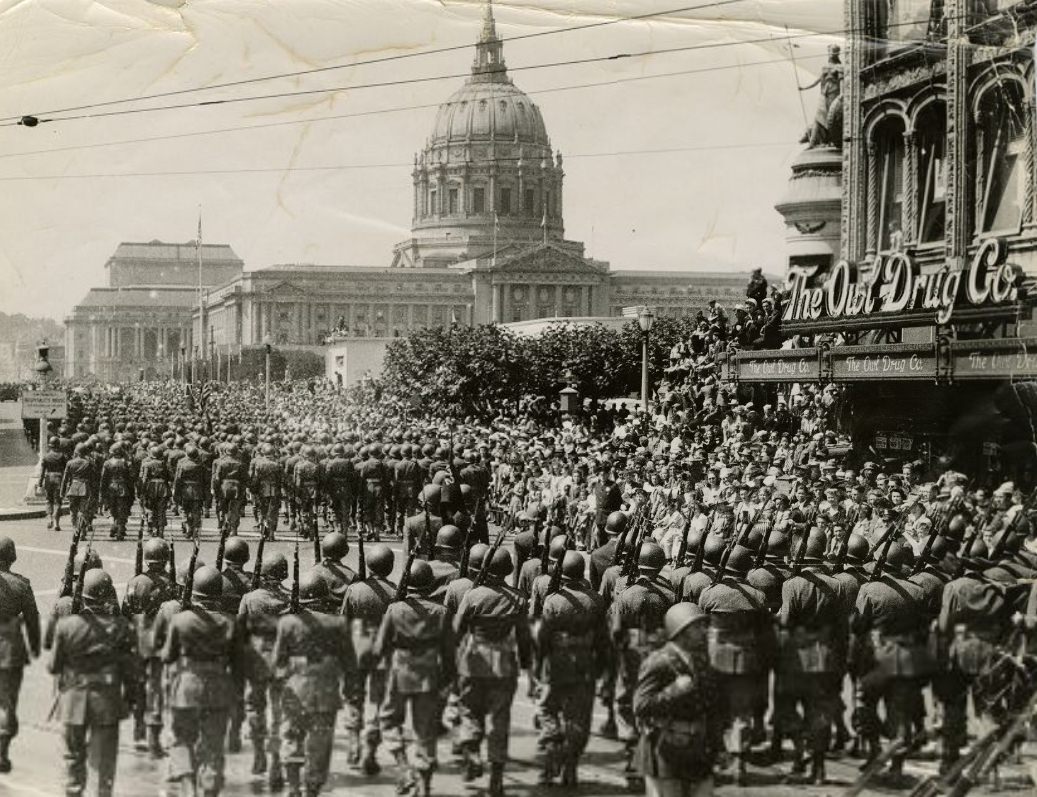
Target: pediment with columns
(548, 260)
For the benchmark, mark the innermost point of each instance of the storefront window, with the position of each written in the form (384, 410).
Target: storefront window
(478, 200)
(1000, 143)
(889, 175)
(932, 173)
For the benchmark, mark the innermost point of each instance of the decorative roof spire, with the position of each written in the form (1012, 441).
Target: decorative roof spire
(489, 66)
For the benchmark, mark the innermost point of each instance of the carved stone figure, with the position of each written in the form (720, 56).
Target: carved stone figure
(827, 127)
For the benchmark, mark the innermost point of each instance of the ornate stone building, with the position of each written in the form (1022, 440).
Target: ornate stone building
(142, 317)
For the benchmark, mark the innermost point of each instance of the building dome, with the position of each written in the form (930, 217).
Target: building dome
(491, 110)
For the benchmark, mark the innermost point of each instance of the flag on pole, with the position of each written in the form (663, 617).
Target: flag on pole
(543, 224)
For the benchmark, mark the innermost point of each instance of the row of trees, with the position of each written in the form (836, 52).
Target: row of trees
(468, 366)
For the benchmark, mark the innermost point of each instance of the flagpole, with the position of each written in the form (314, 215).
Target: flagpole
(496, 223)
(201, 303)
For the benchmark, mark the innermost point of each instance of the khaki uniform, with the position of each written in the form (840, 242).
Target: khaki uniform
(228, 486)
(154, 492)
(265, 476)
(19, 639)
(145, 594)
(92, 661)
(203, 650)
(312, 655)
(259, 613)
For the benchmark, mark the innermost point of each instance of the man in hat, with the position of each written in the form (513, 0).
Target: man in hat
(52, 468)
(416, 642)
(677, 706)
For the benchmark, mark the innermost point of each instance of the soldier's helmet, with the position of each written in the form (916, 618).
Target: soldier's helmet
(334, 545)
(694, 540)
(449, 538)
(191, 451)
(115, 450)
(338, 450)
(155, 452)
(428, 450)
(857, 549)
(313, 588)
(182, 570)
(376, 450)
(93, 561)
(714, 549)
(977, 557)
(500, 564)
(616, 522)
(307, 452)
(420, 576)
(8, 554)
(231, 449)
(430, 497)
(54, 441)
(816, 542)
(957, 527)
(405, 450)
(208, 583)
(97, 587)
(236, 551)
(440, 478)
(777, 545)
(572, 566)
(156, 551)
(380, 560)
(81, 449)
(900, 556)
(394, 452)
(680, 616)
(267, 450)
(275, 566)
(477, 555)
(739, 562)
(651, 559)
(940, 548)
(557, 548)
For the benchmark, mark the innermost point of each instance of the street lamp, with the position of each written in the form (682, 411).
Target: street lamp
(645, 320)
(183, 363)
(266, 344)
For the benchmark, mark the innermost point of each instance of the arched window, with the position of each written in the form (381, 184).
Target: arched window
(931, 175)
(999, 164)
(888, 189)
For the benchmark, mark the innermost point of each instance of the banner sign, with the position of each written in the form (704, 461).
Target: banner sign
(893, 441)
(895, 284)
(44, 404)
(851, 363)
(783, 365)
(994, 359)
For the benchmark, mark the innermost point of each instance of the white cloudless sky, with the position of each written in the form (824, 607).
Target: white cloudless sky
(325, 178)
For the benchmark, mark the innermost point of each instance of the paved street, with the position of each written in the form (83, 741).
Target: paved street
(37, 752)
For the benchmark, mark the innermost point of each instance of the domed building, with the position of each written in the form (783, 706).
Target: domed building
(487, 180)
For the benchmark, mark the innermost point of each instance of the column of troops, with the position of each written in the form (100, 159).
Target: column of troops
(781, 624)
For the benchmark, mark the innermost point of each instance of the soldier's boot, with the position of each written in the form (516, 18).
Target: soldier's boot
(353, 748)
(776, 741)
(5, 759)
(799, 764)
(155, 750)
(739, 768)
(140, 733)
(405, 781)
(471, 765)
(291, 773)
(609, 729)
(817, 769)
(948, 757)
(549, 767)
(569, 778)
(188, 787)
(496, 787)
(259, 762)
(369, 763)
(275, 773)
(234, 734)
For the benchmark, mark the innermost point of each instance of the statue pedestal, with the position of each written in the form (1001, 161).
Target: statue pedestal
(812, 207)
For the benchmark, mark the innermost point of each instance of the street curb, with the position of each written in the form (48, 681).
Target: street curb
(22, 513)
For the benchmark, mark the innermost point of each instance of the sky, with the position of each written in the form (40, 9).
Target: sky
(674, 160)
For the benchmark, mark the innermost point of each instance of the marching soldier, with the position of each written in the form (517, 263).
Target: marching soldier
(636, 628)
(154, 490)
(494, 642)
(92, 662)
(52, 469)
(337, 575)
(678, 707)
(407, 481)
(145, 594)
(312, 651)
(416, 641)
(265, 477)
(189, 489)
(236, 582)
(339, 485)
(414, 526)
(363, 606)
(258, 614)
(812, 621)
(204, 648)
(447, 564)
(63, 605)
(973, 622)
(306, 480)
(739, 626)
(602, 557)
(570, 638)
(475, 475)
(889, 613)
(375, 477)
(228, 486)
(19, 641)
(116, 487)
(77, 485)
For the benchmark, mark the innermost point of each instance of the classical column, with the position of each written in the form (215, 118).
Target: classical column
(558, 300)
(495, 306)
(410, 316)
(910, 188)
(872, 194)
(959, 58)
(1031, 159)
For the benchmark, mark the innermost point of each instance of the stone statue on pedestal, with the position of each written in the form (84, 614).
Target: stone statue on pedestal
(827, 127)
